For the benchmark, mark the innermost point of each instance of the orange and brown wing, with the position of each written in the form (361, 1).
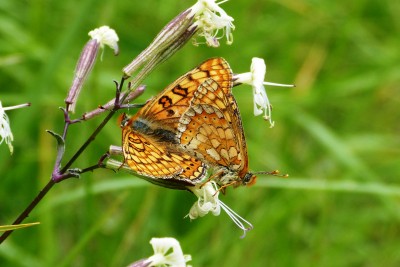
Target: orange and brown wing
(211, 128)
(154, 160)
(169, 105)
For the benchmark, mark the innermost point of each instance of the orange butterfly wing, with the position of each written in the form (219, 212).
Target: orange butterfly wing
(212, 129)
(152, 131)
(158, 127)
(169, 105)
(156, 162)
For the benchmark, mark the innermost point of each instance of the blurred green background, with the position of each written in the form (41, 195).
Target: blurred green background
(336, 134)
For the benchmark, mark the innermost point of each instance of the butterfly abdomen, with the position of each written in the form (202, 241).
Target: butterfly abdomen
(159, 134)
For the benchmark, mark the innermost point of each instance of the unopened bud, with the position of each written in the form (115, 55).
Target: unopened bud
(100, 37)
(175, 31)
(85, 64)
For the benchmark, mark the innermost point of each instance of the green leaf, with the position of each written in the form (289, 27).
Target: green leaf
(4, 228)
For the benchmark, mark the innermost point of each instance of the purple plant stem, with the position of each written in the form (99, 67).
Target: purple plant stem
(58, 176)
(98, 129)
(28, 209)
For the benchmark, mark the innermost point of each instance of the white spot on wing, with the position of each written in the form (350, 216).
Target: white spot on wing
(214, 154)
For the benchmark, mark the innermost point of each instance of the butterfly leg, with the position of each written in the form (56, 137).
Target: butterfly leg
(122, 164)
(217, 174)
(223, 187)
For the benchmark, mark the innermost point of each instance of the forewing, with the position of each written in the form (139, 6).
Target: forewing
(169, 105)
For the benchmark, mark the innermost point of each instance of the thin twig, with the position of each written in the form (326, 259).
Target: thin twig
(98, 129)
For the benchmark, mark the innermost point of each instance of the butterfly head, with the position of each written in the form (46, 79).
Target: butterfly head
(123, 120)
(249, 179)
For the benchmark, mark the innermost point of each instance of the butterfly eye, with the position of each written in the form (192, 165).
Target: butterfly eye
(249, 179)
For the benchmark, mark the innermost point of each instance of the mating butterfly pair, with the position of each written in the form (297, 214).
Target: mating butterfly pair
(192, 125)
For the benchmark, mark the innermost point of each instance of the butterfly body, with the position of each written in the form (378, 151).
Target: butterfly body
(159, 134)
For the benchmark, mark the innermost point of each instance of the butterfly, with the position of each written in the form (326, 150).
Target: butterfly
(149, 141)
(192, 125)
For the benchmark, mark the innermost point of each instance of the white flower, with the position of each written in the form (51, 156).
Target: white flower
(5, 129)
(255, 78)
(208, 202)
(167, 252)
(106, 36)
(210, 18)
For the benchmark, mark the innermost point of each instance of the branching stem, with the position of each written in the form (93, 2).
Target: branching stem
(63, 174)
(92, 137)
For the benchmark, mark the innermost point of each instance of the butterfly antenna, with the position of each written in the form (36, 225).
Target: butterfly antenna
(274, 173)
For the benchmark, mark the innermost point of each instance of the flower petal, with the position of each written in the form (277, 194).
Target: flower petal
(167, 252)
(5, 129)
(106, 36)
(210, 19)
